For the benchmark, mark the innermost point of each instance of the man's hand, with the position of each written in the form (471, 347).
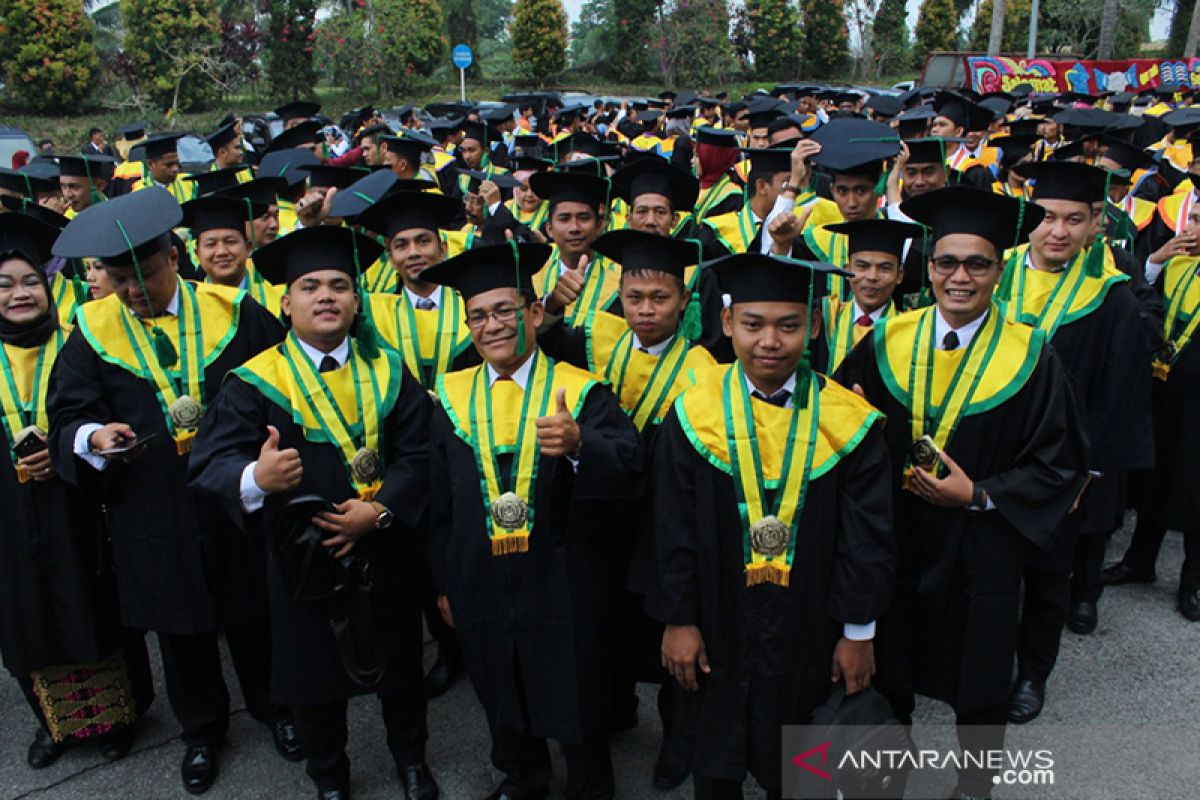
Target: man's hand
(1079, 497)
(277, 470)
(55, 202)
(894, 193)
(854, 661)
(783, 230)
(558, 435)
(1180, 245)
(443, 604)
(682, 653)
(953, 491)
(801, 153)
(313, 208)
(115, 434)
(490, 193)
(38, 466)
(568, 288)
(354, 519)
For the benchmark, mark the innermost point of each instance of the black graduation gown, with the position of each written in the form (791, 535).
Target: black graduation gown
(951, 631)
(770, 648)
(182, 566)
(57, 602)
(305, 669)
(534, 626)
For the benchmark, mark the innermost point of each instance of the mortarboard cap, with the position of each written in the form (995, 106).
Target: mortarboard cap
(962, 112)
(1065, 180)
(1125, 155)
(161, 144)
(760, 278)
(286, 164)
(877, 235)
(638, 250)
(570, 187)
(31, 208)
(1013, 147)
(220, 212)
(134, 226)
(503, 180)
(298, 109)
(92, 167)
(214, 180)
(409, 145)
(262, 191)
(656, 176)
(221, 136)
(482, 269)
(406, 210)
(1025, 126)
(717, 137)
(855, 146)
(370, 189)
(314, 249)
(965, 209)
(769, 160)
(27, 183)
(323, 175)
(306, 133)
(27, 236)
(885, 105)
(132, 131)
(930, 149)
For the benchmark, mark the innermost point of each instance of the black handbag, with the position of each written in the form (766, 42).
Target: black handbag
(312, 574)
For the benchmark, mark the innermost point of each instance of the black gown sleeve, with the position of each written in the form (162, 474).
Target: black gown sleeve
(76, 397)
(231, 435)
(671, 577)
(564, 343)
(1149, 301)
(610, 455)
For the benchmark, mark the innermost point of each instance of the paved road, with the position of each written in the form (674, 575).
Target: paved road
(1131, 692)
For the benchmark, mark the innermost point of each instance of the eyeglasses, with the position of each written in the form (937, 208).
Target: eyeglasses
(975, 266)
(477, 319)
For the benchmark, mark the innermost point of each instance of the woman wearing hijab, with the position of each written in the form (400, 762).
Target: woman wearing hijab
(60, 634)
(717, 156)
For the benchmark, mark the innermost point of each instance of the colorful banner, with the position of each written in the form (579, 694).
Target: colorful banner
(999, 74)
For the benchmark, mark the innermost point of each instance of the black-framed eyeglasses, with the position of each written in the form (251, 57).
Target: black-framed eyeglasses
(503, 315)
(975, 266)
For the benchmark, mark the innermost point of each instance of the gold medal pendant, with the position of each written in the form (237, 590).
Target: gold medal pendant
(366, 466)
(510, 512)
(186, 413)
(1160, 370)
(770, 537)
(923, 452)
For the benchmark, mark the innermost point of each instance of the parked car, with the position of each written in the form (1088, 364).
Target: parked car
(12, 140)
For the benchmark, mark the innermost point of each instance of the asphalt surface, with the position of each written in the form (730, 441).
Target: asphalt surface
(1121, 717)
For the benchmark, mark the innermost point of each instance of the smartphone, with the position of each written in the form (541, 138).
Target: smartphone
(126, 446)
(29, 441)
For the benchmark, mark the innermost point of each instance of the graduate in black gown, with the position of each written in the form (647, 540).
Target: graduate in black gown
(532, 461)
(1069, 285)
(252, 453)
(1011, 467)
(764, 605)
(58, 603)
(145, 362)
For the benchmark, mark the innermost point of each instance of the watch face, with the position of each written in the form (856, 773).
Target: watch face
(384, 519)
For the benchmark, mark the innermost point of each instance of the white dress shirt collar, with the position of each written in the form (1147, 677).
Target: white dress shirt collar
(788, 386)
(413, 297)
(520, 377)
(965, 334)
(172, 307)
(339, 353)
(654, 349)
(875, 315)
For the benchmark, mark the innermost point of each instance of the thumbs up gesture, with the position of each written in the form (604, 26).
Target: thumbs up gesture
(277, 470)
(558, 434)
(569, 286)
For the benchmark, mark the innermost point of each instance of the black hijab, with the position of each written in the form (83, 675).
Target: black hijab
(30, 334)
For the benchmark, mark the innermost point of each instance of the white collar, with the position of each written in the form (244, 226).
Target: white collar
(965, 334)
(654, 349)
(562, 265)
(788, 386)
(413, 297)
(875, 315)
(520, 377)
(1030, 265)
(172, 307)
(339, 353)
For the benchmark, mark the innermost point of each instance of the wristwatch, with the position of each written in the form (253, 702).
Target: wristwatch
(384, 520)
(978, 499)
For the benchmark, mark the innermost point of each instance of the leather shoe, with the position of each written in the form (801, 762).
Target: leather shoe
(43, 751)
(283, 731)
(199, 769)
(500, 794)
(1083, 618)
(446, 670)
(1026, 701)
(1119, 573)
(336, 793)
(118, 745)
(418, 782)
(1189, 604)
(671, 766)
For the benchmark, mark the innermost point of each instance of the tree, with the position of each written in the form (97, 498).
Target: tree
(289, 53)
(1016, 26)
(587, 49)
(1189, 48)
(48, 57)
(1074, 25)
(775, 38)
(174, 50)
(937, 27)
(492, 18)
(405, 37)
(462, 27)
(692, 41)
(1108, 32)
(826, 38)
(889, 38)
(539, 39)
(1181, 17)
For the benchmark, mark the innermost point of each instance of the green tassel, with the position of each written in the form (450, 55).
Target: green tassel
(881, 184)
(164, 351)
(924, 298)
(1008, 272)
(367, 338)
(690, 327)
(804, 376)
(521, 332)
(1093, 262)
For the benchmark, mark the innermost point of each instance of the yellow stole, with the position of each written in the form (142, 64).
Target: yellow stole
(841, 331)
(600, 288)
(736, 229)
(25, 384)
(1181, 292)
(65, 292)
(432, 340)
(1049, 300)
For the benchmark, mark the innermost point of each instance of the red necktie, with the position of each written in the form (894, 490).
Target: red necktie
(864, 320)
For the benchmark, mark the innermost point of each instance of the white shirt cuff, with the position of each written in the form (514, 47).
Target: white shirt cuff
(859, 633)
(492, 209)
(1153, 270)
(97, 462)
(251, 493)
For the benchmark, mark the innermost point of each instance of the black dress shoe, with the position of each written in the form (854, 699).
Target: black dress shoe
(1026, 701)
(1083, 618)
(1119, 573)
(199, 769)
(446, 670)
(1189, 606)
(286, 743)
(418, 782)
(337, 793)
(118, 745)
(671, 766)
(42, 750)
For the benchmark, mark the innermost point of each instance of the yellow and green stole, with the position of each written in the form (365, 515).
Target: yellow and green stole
(600, 288)
(1049, 300)
(68, 294)
(531, 219)
(345, 408)
(1181, 291)
(23, 390)
(941, 387)
(428, 341)
(500, 419)
(207, 321)
(736, 230)
(841, 332)
(716, 194)
(765, 449)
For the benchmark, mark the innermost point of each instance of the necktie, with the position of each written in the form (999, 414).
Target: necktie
(865, 321)
(328, 364)
(779, 399)
(643, 350)
(950, 341)
(425, 304)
